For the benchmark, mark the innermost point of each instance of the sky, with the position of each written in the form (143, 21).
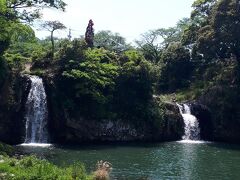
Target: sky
(129, 18)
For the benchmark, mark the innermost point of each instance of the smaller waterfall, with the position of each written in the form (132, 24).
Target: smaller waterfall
(36, 113)
(192, 130)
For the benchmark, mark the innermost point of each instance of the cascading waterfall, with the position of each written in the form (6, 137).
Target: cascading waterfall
(192, 130)
(36, 113)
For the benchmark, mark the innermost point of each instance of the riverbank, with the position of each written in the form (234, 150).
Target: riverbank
(30, 167)
(27, 167)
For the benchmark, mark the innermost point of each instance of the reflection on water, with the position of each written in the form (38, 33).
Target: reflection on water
(171, 160)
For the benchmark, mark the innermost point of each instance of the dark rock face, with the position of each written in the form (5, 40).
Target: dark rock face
(174, 121)
(13, 95)
(66, 129)
(203, 115)
(223, 123)
(69, 127)
(79, 130)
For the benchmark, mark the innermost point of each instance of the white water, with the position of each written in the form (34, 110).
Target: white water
(36, 114)
(36, 144)
(192, 130)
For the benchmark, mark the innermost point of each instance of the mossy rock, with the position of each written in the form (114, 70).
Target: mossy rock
(6, 149)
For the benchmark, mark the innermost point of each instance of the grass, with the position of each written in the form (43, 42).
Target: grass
(32, 168)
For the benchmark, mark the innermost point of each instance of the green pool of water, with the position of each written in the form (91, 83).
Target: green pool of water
(172, 160)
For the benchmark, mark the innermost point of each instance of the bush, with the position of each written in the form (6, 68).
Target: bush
(31, 168)
(5, 149)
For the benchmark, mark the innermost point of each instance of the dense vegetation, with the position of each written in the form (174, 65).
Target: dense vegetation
(32, 168)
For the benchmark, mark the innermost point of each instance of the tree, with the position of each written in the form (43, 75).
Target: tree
(226, 26)
(220, 37)
(153, 42)
(202, 10)
(110, 41)
(199, 18)
(134, 85)
(13, 12)
(89, 35)
(27, 10)
(150, 45)
(52, 26)
(22, 33)
(176, 68)
(90, 81)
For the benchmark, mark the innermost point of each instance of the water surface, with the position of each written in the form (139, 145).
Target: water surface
(172, 160)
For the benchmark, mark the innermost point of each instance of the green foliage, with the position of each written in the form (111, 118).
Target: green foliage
(134, 86)
(30, 168)
(176, 69)
(153, 42)
(6, 149)
(90, 75)
(71, 50)
(19, 38)
(4, 35)
(53, 26)
(22, 33)
(199, 18)
(16, 61)
(110, 41)
(202, 9)
(3, 71)
(23, 48)
(149, 45)
(99, 81)
(222, 32)
(13, 8)
(94, 75)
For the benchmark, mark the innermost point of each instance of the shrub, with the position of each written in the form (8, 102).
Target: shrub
(31, 168)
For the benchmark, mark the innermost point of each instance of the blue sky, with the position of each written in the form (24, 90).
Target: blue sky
(130, 18)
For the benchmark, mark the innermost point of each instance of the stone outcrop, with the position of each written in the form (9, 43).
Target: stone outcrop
(13, 95)
(218, 110)
(66, 129)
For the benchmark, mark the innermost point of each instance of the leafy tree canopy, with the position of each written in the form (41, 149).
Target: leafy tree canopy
(27, 10)
(110, 41)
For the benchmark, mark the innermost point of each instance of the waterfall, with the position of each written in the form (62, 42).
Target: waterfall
(36, 113)
(192, 130)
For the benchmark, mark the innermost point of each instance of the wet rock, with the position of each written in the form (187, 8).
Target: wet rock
(203, 115)
(13, 95)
